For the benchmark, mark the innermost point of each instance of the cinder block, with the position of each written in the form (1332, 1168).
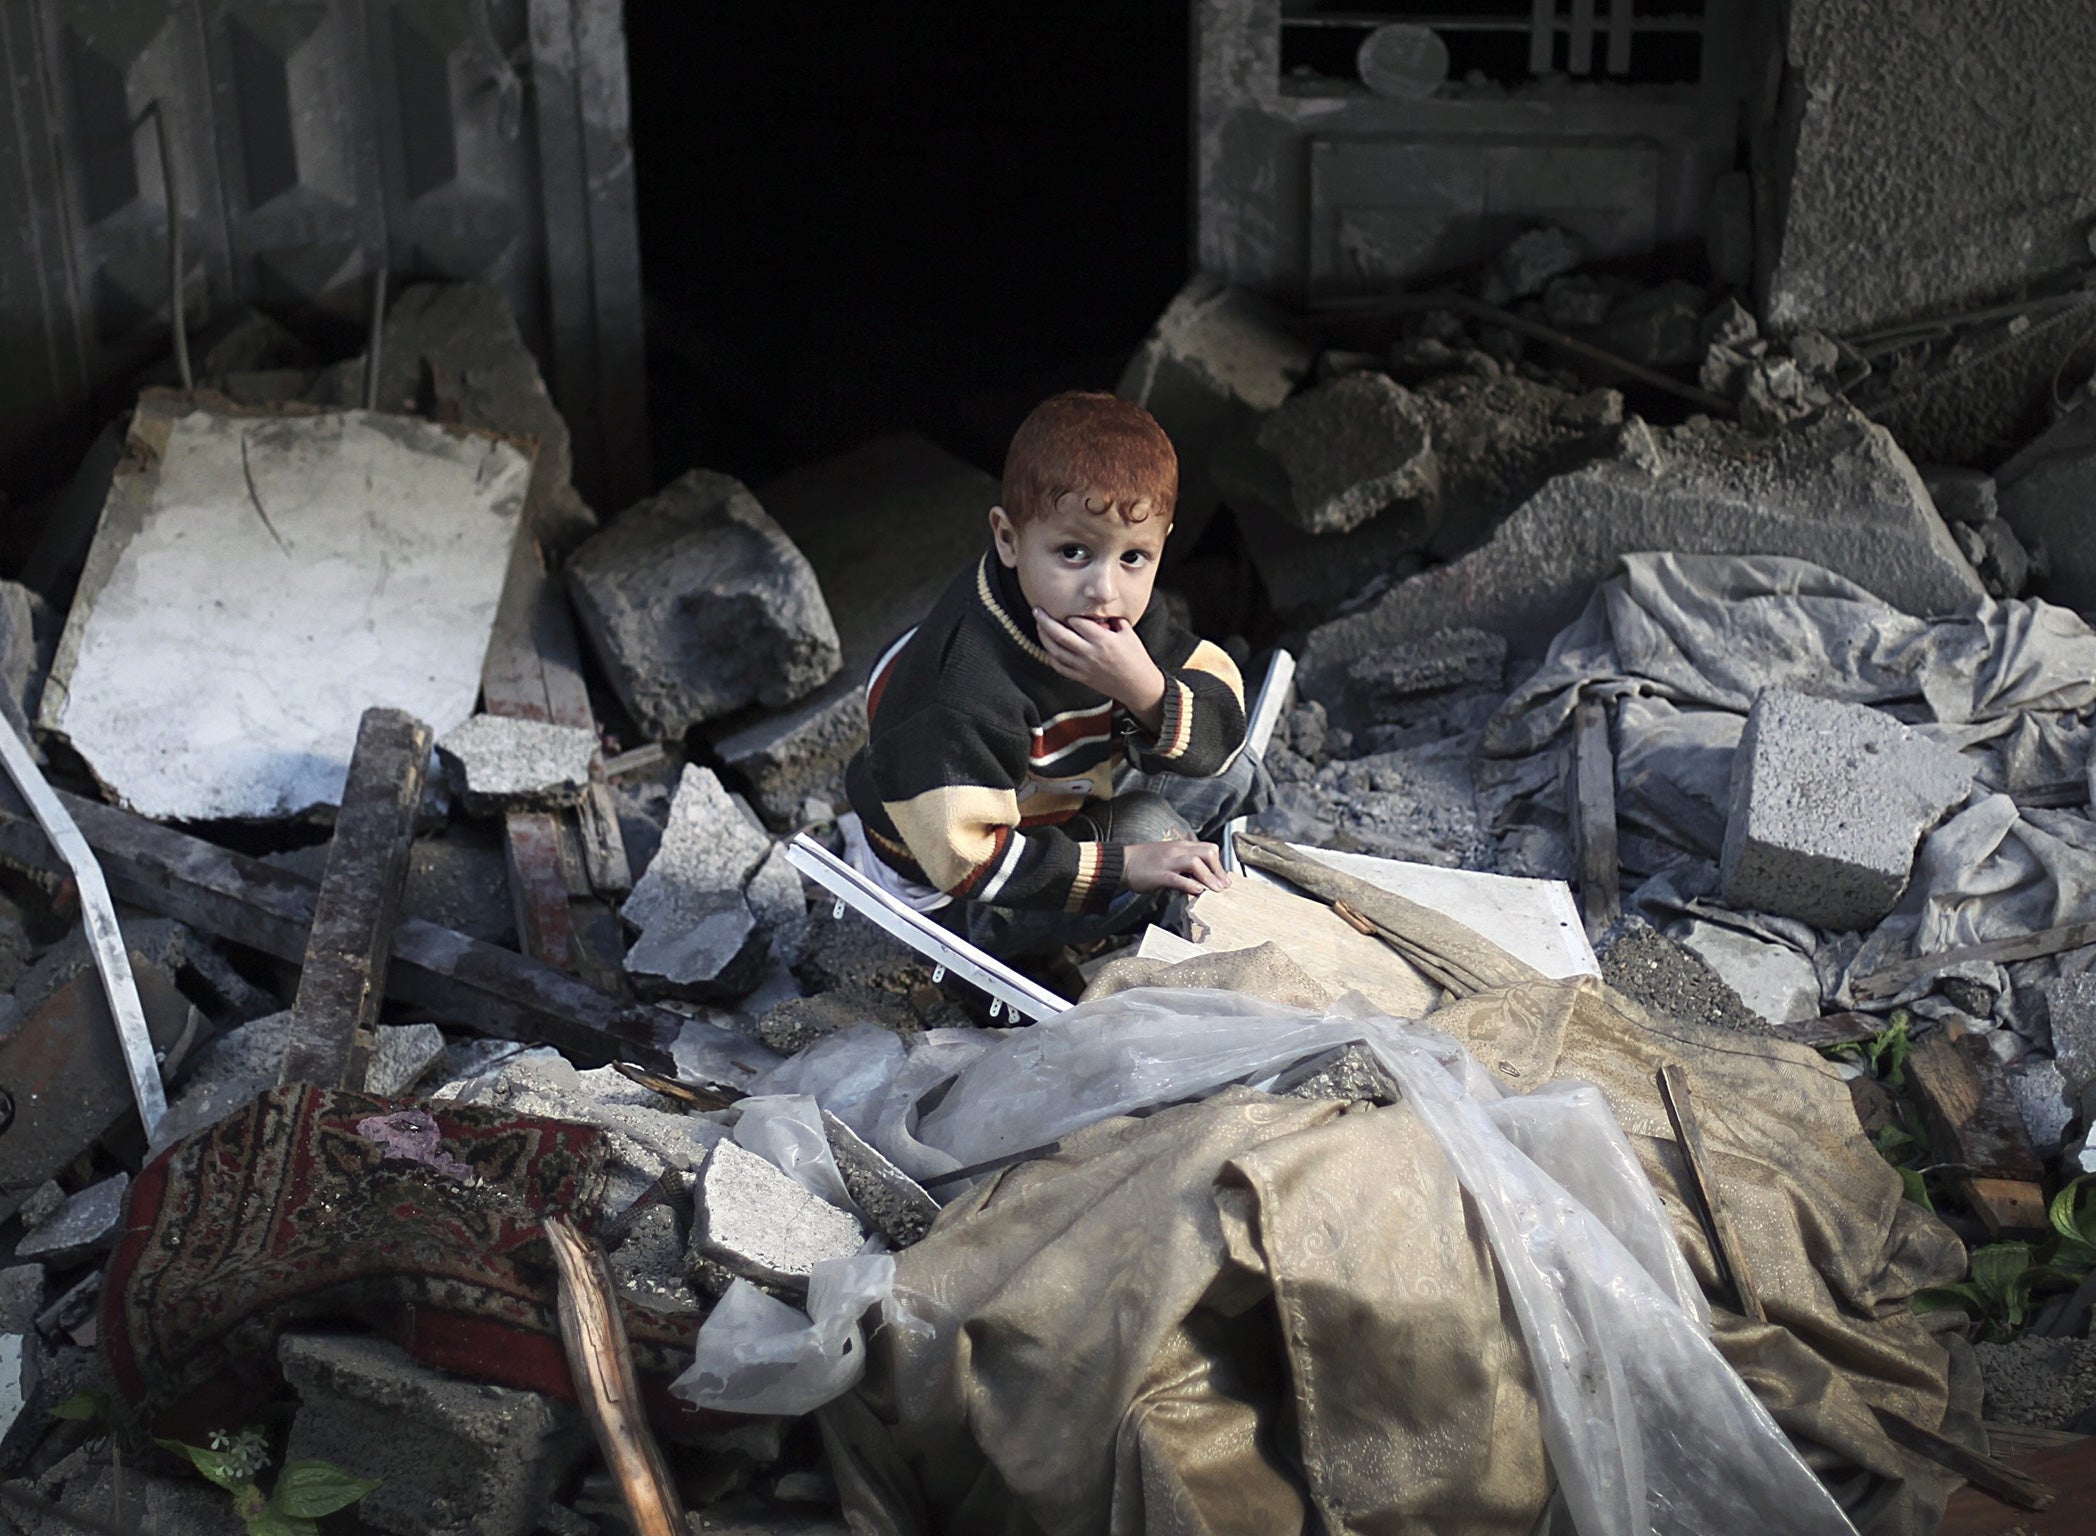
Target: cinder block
(1828, 802)
(762, 1225)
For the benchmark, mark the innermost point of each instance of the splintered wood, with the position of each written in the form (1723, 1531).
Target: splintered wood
(1973, 1116)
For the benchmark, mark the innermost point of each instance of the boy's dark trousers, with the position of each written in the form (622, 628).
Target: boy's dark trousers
(1203, 807)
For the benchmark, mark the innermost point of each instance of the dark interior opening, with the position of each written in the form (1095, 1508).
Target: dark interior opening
(854, 223)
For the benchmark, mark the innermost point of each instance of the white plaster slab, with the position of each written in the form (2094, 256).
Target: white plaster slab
(1534, 920)
(260, 582)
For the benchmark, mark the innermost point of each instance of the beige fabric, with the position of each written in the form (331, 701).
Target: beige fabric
(1211, 1319)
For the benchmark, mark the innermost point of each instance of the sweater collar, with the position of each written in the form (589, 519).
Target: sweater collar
(997, 589)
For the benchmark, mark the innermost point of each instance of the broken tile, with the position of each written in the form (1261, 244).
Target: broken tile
(698, 604)
(84, 1226)
(497, 763)
(761, 1224)
(1828, 803)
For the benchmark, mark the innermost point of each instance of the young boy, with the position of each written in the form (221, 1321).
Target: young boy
(1049, 753)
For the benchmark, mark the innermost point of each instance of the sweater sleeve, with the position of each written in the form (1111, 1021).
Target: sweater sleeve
(1203, 728)
(945, 779)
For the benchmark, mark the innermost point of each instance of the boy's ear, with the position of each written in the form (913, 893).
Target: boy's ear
(1006, 535)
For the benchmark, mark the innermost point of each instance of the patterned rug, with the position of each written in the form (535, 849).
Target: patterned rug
(417, 1220)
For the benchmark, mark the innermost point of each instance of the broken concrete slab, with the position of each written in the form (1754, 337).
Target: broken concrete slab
(499, 763)
(1217, 359)
(698, 934)
(452, 1457)
(779, 904)
(258, 581)
(1837, 492)
(1336, 456)
(896, 1204)
(1828, 803)
(404, 1056)
(1774, 980)
(647, 1133)
(81, 1228)
(648, 1263)
(886, 525)
(1454, 658)
(764, 1226)
(2063, 1010)
(697, 603)
(2046, 491)
(2048, 1106)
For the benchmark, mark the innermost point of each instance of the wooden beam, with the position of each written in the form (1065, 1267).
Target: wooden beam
(460, 980)
(1895, 979)
(1594, 797)
(1973, 1118)
(1702, 1179)
(343, 979)
(1984, 1472)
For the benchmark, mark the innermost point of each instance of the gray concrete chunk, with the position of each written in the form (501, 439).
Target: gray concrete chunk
(1455, 658)
(2065, 1008)
(84, 1226)
(2048, 1108)
(698, 604)
(2046, 492)
(1828, 802)
(1333, 457)
(404, 1055)
(762, 1225)
(500, 764)
(697, 931)
(1837, 492)
(453, 1457)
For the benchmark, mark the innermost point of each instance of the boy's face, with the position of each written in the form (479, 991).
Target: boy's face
(1075, 564)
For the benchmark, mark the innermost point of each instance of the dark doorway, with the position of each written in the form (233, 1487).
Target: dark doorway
(862, 218)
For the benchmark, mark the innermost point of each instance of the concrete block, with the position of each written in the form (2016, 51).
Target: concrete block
(698, 604)
(1837, 492)
(1333, 457)
(698, 935)
(2064, 1009)
(81, 1228)
(886, 526)
(1912, 168)
(1454, 658)
(762, 1225)
(1217, 359)
(1828, 802)
(404, 1055)
(499, 764)
(2046, 491)
(2048, 1107)
(453, 1457)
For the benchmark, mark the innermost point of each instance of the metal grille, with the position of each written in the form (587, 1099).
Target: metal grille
(1508, 41)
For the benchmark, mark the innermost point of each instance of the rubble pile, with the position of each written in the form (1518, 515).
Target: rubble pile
(1596, 587)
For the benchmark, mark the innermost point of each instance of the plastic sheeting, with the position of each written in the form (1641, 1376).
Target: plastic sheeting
(1685, 643)
(1648, 1428)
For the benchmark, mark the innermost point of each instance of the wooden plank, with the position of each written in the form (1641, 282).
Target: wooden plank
(1894, 979)
(531, 855)
(1702, 1178)
(1973, 1117)
(460, 980)
(1680, 817)
(2068, 1469)
(343, 978)
(603, 845)
(1594, 795)
(1998, 1478)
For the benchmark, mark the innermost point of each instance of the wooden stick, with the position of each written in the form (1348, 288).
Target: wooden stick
(343, 979)
(1594, 777)
(1894, 979)
(601, 1363)
(1977, 1468)
(1724, 1245)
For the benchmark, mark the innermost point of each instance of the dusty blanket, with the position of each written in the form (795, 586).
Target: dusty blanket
(418, 1221)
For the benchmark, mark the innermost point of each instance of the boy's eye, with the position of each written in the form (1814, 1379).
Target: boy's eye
(1135, 559)
(1073, 552)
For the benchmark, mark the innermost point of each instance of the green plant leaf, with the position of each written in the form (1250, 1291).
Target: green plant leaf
(275, 1523)
(84, 1408)
(1917, 1188)
(1997, 1268)
(2067, 1217)
(1944, 1298)
(310, 1489)
(216, 1466)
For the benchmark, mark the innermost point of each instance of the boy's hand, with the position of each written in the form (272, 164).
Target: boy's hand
(1108, 656)
(1176, 866)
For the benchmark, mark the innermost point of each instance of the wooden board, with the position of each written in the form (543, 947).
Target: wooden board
(1594, 799)
(1973, 1117)
(1894, 979)
(1252, 912)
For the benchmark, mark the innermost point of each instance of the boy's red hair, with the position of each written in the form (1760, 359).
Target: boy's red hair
(1108, 450)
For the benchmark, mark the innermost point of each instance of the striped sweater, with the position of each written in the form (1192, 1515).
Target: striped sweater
(977, 750)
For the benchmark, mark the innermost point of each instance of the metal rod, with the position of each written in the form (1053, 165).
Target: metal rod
(176, 305)
(371, 353)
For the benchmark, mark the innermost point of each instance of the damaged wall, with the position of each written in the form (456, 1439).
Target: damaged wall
(1923, 156)
(313, 144)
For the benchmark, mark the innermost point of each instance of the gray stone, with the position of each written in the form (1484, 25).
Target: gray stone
(1349, 1073)
(1774, 392)
(21, 1297)
(227, 1073)
(84, 1226)
(2004, 565)
(1531, 259)
(895, 1204)
(1672, 980)
(761, 1224)
(2046, 491)
(1661, 327)
(1838, 493)
(2064, 1010)
(2044, 1383)
(1920, 160)
(698, 604)
(1335, 456)
(404, 1055)
(499, 764)
(1962, 495)
(1218, 358)
(1828, 802)
(43, 1203)
(1774, 980)
(779, 904)
(649, 1263)
(886, 526)
(2048, 1107)
(1730, 324)
(1454, 658)
(698, 935)
(647, 1133)
(453, 1457)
